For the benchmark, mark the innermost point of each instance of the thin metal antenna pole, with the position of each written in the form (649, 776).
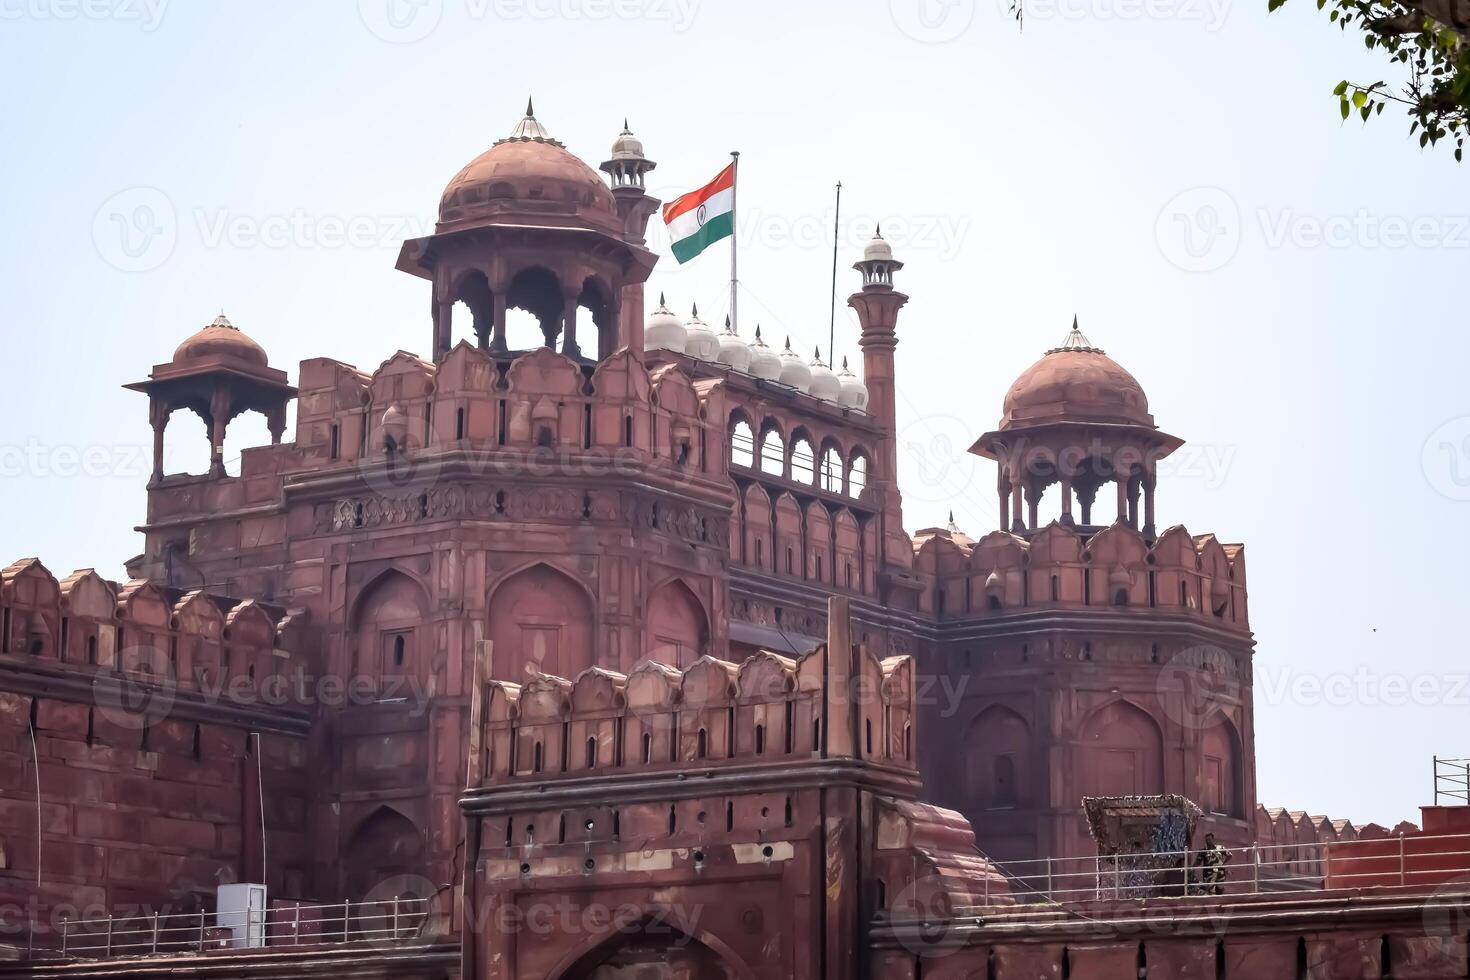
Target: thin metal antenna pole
(832, 312)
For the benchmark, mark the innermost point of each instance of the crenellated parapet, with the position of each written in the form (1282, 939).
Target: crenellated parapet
(1062, 566)
(207, 651)
(767, 709)
(718, 800)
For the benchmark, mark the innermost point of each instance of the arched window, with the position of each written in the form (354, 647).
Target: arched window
(803, 462)
(1004, 783)
(831, 471)
(997, 740)
(857, 476)
(773, 453)
(742, 445)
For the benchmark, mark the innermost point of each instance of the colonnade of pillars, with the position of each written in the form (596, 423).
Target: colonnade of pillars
(216, 421)
(1022, 500)
(489, 321)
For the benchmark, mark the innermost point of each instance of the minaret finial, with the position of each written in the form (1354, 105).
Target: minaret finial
(757, 331)
(878, 230)
(661, 298)
(530, 111)
(694, 312)
(1074, 321)
(626, 128)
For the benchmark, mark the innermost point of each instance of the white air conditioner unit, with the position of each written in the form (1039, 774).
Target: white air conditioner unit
(242, 910)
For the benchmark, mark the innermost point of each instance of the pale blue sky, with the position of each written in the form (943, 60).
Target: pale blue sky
(1306, 337)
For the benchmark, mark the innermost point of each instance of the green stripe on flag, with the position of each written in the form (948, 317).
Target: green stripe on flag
(712, 231)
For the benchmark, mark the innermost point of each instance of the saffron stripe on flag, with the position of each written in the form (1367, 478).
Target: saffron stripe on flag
(723, 181)
(685, 224)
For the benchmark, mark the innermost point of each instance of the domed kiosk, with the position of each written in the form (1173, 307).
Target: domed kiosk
(1078, 418)
(528, 225)
(217, 373)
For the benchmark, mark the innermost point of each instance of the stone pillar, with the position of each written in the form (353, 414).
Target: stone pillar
(1067, 501)
(1017, 523)
(1122, 483)
(629, 320)
(219, 414)
(877, 306)
(1086, 496)
(159, 418)
(497, 339)
(1149, 482)
(275, 421)
(569, 345)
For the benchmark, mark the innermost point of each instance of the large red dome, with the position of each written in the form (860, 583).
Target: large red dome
(526, 168)
(220, 339)
(1075, 382)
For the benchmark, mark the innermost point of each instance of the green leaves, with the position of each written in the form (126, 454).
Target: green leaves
(1436, 93)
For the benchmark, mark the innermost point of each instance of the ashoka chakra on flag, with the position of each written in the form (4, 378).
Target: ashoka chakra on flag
(702, 217)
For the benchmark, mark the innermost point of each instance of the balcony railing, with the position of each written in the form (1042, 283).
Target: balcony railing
(1451, 781)
(387, 923)
(1420, 861)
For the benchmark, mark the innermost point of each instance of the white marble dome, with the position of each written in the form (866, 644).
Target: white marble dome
(854, 393)
(878, 250)
(764, 362)
(733, 351)
(664, 330)
(701, 342)
(793, 371)
(824, 383)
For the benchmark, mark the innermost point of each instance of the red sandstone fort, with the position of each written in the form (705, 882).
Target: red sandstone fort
(612, 659)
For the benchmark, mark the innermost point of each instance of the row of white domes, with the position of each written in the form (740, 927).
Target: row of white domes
(694, 337)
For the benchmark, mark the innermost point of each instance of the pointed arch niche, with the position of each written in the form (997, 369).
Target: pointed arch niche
(678, 630)
(542, 618)
(388, 625)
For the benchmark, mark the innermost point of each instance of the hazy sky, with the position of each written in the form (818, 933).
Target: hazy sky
(1288, 289)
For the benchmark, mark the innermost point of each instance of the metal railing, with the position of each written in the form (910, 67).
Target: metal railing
(388, 922)
(1451, 781)
(1261, 869)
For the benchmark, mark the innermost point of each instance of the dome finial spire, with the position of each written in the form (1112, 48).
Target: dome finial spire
(529, 128)
(1075, 340)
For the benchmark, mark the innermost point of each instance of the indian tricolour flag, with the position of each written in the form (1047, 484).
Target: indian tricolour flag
(698, 219)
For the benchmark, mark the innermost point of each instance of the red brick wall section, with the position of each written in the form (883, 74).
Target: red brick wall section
(127, 829)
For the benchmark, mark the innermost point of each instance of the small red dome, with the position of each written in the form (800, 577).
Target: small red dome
(221, 339)
(1076, 382)
(528, 166)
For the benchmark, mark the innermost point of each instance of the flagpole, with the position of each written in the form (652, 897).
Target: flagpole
(734, 238)
(832, 318)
